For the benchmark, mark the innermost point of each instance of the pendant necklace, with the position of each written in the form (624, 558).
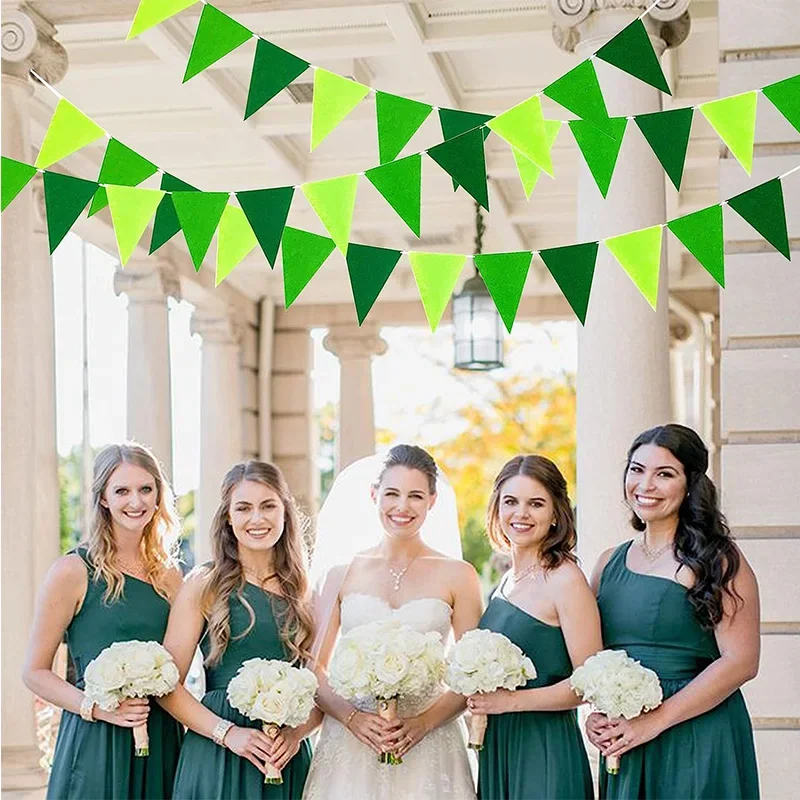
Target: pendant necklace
(398, 574)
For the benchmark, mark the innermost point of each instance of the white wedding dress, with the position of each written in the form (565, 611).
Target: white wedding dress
(438, 767)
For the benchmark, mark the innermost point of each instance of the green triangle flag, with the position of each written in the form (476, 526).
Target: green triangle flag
(217, 35)
(235, 240)
(639, 254)
(400, 183)
(131, 210)
(69, 130)
(99, 201)
(667, 133)
(151, 12)
(523, 128)
(701, 234)
(121, 166)
(734, 120)
(464, 160)
(64, 199)
(166, 224)
(573, 270)
(454, 122)
(504, 275)
(632, 52)
(599, 149)
(436, 275)
(266, 211)
(334, 200)
(785, 96)
(15, 177)
(579, 91)
(273, 70)
(303, 254)
(529, 173)
(199, 214)
(369, 269)
(334, 98)
(762, 206)
(398, 120)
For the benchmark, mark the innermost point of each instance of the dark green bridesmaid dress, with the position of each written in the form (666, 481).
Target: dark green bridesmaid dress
(95, 759)
(709, 756)
(207, 771)
(533, 754)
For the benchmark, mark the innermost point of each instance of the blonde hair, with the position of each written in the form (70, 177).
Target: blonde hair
(226, 577)
(159, 540)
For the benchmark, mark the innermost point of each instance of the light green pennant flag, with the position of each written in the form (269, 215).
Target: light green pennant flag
(639, 254)
(334, 98)
(398, 120)
(524, 129)
(217, 35)
(436, 275)
(504, 275)
(70, 130)
(235, 240)
(151, 12)
(701, 234)
(122, 166)
(529, 173)
(15, 177)
(131, 210)
(734, 120)
(334, 200)
(400, 183)
(199, 214)
(303, 253)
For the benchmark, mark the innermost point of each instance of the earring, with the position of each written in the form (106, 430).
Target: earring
(553, 524)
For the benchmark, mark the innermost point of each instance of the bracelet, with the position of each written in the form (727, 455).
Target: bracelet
(87, 709)
(220, 731)
(350, 718)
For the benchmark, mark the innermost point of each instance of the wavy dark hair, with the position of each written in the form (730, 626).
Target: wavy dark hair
(703, 542)
(411, 457)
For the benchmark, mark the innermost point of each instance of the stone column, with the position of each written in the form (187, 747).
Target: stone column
(623, 351)
(355, 347)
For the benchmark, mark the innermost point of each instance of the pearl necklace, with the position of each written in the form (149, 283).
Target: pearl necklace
(398, 575)
(652, 555)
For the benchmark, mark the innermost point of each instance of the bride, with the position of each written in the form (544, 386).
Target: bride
(370, 571)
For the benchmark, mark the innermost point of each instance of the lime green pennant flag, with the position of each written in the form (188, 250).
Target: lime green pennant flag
(166, 224)
(235, 241)
(398, 120)
(734, 120)
(529, 173)
(523, 128)
(632, 52)
(763, 207)
(217, 35)
(504, 275)
(199, 214)
(369, 269)
(600, 150)
(266, 211)
(15, 177)
(400, 183)
(152, 12)
(334, 98)
(464, 160)
(667, 133)
(69, 130)
(639, 254)
(454, 122)
(436, 275)
(579, 92)
(572, 268)
(303, 254)
(785, 96)
(64, 199)
(701, 234)
(121, 166)
(334, 200)
(131, 210)
(273, 70)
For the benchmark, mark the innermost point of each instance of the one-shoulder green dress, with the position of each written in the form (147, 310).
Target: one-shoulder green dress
(207, 771)
(96, 759)
(533, 754)
(708, 756)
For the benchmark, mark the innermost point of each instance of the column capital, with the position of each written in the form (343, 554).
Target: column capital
(349, 342)
(28, 42)
(148, 284)
(217, 326)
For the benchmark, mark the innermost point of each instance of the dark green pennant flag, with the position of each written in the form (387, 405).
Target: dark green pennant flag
(303, 253)
(266, 211)
(369, 269)
(463, 159)
(579, 92)
(199, 214)
(166, 223)
(573, 270)
(632, 52)
(122, 167)
(64, 199)
(454, 122)
(400, 183)
(398, 120)
(217, 35)
(599, 149)
(762, 206)
(273, 70)
(785, 96)
(15, 177)
(701, 234)
(667, 133)
(504, 275)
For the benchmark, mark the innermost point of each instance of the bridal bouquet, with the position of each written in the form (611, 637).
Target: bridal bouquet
(386, 660)
(274, 693)
(131, 669)
(617, 686)
(483, 661)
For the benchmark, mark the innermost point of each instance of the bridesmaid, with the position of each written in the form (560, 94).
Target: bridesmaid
(251, 601)
(116, 586)
(533, 746)
(682, 599)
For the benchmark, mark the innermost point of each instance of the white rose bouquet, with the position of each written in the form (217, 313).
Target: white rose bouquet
(274, 693)
(386, 660)
(617, 686)
(131, 669)
(483, 661)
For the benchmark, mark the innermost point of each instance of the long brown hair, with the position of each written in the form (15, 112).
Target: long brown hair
(226, 577)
